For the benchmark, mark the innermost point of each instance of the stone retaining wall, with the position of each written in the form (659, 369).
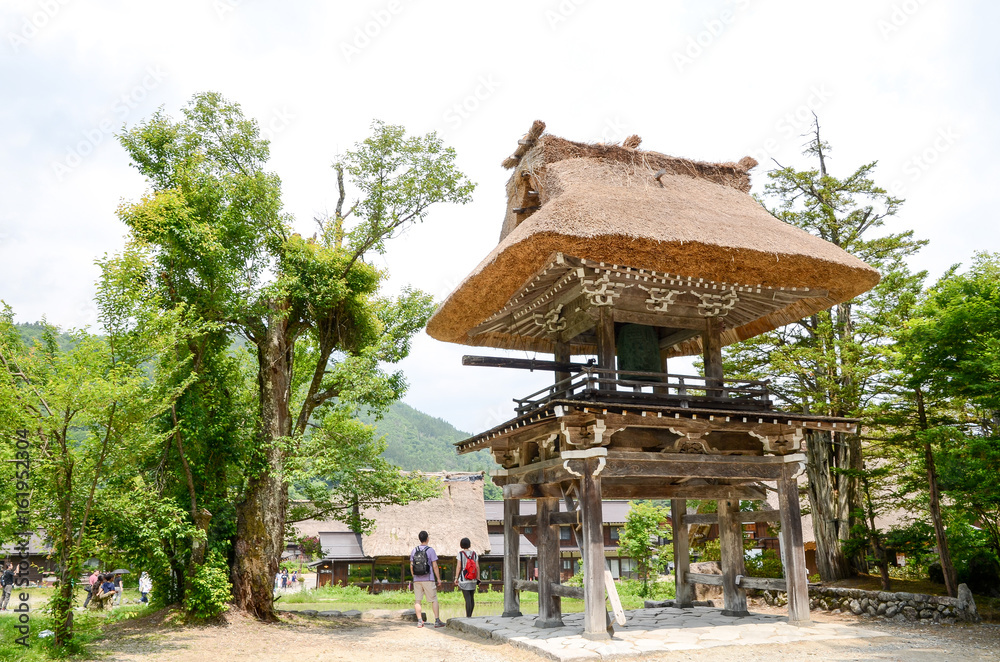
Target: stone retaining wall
(892, 606)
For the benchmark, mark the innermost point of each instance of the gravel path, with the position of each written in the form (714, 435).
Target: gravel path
(154, 639)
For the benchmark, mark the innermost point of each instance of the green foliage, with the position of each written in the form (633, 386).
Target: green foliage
(311, 546)
(765, 564)
(639, 539)
(209, 591)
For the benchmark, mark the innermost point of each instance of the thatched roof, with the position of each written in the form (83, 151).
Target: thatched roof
(458, 513)
(645, 210)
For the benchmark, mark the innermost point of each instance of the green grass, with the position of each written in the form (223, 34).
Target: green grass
(628, 591)
(86, 629)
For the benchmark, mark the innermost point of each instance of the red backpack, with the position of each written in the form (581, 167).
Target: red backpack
(470, 572)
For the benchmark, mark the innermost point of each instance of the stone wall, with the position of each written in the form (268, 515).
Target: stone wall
(892, 606)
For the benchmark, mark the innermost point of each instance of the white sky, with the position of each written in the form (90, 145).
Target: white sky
(910, 83)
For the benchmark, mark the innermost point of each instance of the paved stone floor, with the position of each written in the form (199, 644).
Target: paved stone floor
(652, 631)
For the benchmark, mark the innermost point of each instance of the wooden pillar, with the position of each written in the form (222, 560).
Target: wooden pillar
(731, 546)
(511, 558)
(711, 343)
(793, 555)
(562, 355)
(595, 613)
(549, 604)
(605, 341)
(682, 558)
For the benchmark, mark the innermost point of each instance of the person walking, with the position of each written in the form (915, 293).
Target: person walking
(91, 586)
(7, 580)
(145, 586)
(467, 575)
(426, 578)
(118, 589)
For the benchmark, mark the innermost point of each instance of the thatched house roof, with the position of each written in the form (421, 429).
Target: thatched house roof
(652, 213)
(458, 513)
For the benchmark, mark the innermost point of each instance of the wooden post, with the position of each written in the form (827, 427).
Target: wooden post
(549, 604)
(511, 558)
(711, 343)
(562, 355)
(595, 614)
(793, 555)
(731, 546)
(606, 342)
(682, 558)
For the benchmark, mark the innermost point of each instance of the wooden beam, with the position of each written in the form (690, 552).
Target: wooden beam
(702, 578)
(669, 341)
(562, 356)
(526, 585)
(605, 339)
(511, 558)
(523, 364)
(521, 521)
(711, 342)
(762, 583)
(521, 491)
(595, 614)
(568, 591)
(744, 517)
(547, 536)
(745, 492)
(793, 554)
(682, 556)
(562, 518)
(731, 548)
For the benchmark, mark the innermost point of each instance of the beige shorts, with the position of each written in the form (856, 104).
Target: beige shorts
(422, 589)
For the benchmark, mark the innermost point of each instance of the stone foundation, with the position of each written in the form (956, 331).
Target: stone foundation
(891, 606)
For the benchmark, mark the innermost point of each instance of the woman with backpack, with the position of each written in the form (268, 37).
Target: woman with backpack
(467, 574)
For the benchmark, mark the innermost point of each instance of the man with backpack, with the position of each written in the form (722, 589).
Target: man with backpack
(426, 578)
(7, 581)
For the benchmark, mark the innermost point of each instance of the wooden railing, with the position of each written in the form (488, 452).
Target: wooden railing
(651, 388)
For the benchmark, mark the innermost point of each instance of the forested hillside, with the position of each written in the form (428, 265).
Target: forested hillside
(418, 442)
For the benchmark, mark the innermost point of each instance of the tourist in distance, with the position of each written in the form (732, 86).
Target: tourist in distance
(467, 575)
(426, 578)
(145, 586)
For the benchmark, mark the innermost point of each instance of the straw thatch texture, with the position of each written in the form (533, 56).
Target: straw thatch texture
(625, 206)
(458, 513)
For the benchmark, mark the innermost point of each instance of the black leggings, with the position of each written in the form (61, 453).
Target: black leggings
(470, 601)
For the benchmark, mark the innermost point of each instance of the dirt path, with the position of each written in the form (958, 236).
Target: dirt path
(240, 638)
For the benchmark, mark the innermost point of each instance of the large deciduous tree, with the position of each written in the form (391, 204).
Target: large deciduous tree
(319, 332)
(831, 362)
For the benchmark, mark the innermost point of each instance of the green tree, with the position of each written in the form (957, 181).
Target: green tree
(832, 362)
(86, 412)
(639, 540)
(319, 332)
(950, 351)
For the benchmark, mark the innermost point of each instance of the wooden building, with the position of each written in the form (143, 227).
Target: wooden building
(379, 559)
(634, 257)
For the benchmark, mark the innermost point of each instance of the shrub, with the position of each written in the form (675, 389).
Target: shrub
(209, 592)
(767, 564)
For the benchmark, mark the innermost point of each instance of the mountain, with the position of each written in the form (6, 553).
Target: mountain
(419, 442)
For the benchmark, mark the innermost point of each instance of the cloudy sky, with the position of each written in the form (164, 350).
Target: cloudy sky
(912, 84)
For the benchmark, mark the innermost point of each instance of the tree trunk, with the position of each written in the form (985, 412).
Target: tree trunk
(260, 524)
(829, 555)
(62, 602)
(947, 567)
